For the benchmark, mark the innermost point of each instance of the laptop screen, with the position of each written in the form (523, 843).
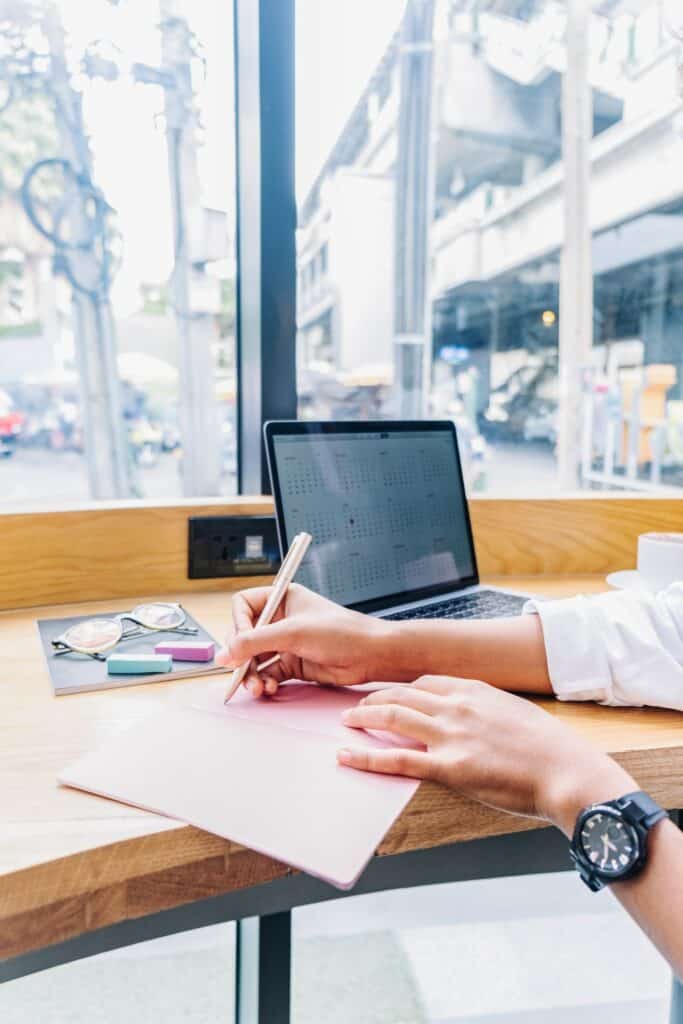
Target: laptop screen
(385, 504)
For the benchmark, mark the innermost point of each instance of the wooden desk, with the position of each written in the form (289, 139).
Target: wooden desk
(74, 865)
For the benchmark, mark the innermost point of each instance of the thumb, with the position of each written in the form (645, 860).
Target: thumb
(279, 636)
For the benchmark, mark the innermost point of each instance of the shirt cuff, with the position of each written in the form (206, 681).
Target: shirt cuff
(577, 663)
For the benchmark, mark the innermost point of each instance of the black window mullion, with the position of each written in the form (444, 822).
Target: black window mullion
(266, 229)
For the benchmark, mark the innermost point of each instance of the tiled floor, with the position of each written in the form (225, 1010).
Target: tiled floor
(512, 951)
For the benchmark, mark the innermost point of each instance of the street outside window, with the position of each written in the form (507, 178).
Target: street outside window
(439, 152)
(117, 265)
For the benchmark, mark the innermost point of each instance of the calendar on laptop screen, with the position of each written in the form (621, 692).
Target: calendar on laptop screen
(386, 509)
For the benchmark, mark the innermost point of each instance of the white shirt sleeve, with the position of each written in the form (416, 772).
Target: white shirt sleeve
(623, 648)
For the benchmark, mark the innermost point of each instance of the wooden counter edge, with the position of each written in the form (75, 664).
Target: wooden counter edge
(102, 552)
(59, 900)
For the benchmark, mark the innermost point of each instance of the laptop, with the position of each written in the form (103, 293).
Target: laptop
(385, 504)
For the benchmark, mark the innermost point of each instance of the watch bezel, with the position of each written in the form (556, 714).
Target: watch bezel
(591, 872)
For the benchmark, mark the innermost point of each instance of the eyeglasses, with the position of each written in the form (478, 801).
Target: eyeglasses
(95, 636)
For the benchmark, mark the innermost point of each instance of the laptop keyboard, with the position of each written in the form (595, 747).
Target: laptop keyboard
(485, 604)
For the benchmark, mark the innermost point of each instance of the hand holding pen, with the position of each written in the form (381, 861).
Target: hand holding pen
(316, 640)
(286, 574)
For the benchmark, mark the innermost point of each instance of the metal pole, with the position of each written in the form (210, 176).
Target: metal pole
(676, 1013)
(196, 332)
(413, 208)
(266, 229)
(576, 278)
(264, 969)
(105, 440)
(676, 1016)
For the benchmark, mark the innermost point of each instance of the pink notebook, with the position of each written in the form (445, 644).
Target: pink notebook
(262, 773)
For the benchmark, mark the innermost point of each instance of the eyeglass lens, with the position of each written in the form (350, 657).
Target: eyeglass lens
(96, 635)
(159, 616)
(93, 634)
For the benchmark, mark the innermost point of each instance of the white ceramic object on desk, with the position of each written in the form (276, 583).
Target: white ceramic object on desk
(660, 563)
(626, 579)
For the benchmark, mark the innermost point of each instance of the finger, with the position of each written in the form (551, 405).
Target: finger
(281, 671)
(270, 685)
(280, 636)
(392, 718)
(223, 657)
(263, 665)
(414, 763)
(247, 605)
(254, 683)
(443, 686)
(265, 660)
(407, 697)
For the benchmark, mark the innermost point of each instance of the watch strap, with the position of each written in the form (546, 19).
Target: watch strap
(640, 810)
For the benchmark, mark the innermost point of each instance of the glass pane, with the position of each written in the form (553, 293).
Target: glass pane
(187, 978)
(634, 412)
(117, 265)
(431, 232)
(476, 953)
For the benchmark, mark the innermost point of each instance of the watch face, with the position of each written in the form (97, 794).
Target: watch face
(608, 843)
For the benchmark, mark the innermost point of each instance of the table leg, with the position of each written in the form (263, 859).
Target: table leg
(264, 969)
(676, 1002)
(676, 1016)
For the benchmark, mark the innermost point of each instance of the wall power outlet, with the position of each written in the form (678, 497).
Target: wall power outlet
(232, 546)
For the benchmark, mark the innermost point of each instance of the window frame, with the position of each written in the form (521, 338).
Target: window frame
(266, 229)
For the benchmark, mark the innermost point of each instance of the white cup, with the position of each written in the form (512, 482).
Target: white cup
(660, 559)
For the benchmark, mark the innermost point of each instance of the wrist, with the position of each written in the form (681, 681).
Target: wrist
(563, 798)
(399, 651)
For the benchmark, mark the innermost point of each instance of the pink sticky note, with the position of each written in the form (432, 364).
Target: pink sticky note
(262, 773)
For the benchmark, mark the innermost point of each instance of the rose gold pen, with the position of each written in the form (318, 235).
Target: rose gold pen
(288, 570)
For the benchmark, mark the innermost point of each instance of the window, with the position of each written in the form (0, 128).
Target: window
(634, 409)
(425, 955)
(434, 263)
(430, 166)
(187, 977)
(117, 252)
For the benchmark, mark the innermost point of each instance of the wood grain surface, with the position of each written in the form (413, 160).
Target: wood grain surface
(98, 552)
(71, 862)
(567, 536)
(92, 553)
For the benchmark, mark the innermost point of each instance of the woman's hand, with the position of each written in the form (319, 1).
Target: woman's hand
(316, 639)
(323, 642)
(494, 747)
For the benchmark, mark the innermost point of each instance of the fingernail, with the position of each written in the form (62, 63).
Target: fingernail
(345, 756)
(271, 686)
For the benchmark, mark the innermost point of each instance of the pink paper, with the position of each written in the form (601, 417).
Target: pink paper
(262, 773)
(305, 706)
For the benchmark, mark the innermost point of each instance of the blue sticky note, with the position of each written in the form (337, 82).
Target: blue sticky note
(138, 664)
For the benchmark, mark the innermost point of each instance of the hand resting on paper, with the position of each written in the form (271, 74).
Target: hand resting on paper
(318, 641)
(497, 748)
(511, 754)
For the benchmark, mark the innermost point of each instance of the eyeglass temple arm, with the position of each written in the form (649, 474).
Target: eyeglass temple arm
(97, 655)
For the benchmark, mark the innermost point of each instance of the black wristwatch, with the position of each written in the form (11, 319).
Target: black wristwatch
(610, 839)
